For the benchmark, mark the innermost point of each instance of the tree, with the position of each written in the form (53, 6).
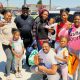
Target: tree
(39, 2)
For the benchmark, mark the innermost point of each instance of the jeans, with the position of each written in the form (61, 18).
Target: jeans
(9, 56)
(50, 77)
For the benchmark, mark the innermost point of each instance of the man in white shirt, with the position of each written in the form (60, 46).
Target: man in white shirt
(46, 63)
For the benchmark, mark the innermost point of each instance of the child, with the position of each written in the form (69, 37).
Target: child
(18, 51)
(62, 55)
(51, 31)
(33, 53)
(74, 42)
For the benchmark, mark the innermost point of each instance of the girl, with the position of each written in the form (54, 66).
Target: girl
(62, 57)
(63, 24)
(5, 38)
(74, 40)
(18, 51)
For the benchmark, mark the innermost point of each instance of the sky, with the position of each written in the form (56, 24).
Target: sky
(59, 3)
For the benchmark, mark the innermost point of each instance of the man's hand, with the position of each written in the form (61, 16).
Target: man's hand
(36, 59)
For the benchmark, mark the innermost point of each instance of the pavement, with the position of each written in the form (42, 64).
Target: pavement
(27, 75)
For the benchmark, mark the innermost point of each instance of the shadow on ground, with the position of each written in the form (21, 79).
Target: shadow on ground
(35, 77)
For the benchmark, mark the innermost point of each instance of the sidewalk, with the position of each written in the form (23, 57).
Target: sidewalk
(27, 75)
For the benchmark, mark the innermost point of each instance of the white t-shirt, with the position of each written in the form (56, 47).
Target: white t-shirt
(60, 53)
(48, 58)
(17, 45)
(53, 37)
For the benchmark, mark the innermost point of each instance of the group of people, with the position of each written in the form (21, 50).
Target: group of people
(54, 43)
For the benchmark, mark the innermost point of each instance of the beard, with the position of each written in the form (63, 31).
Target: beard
(24, 16)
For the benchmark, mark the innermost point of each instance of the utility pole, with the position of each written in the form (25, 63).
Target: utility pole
(7, 3)
(49, 4)
(24, 2)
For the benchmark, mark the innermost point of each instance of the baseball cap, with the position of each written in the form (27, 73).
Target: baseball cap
(25, 7)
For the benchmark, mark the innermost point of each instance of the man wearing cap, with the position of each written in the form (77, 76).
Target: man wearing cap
(24, 23)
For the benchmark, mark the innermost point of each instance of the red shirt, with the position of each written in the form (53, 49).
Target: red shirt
(59, 27)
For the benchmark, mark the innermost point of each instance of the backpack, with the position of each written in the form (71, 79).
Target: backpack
(73, 62)
(31, 57)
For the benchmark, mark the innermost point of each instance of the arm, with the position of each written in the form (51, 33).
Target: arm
(51, 71)
(34, 29)
(2, 23)
(14, 52)
(65, 55)
(36, 59)
(22, 52)
(63, 60)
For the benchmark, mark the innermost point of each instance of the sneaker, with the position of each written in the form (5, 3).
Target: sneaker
(8, 78)
(20, 75)
(45, 77)
(17, 75)
(13, 71)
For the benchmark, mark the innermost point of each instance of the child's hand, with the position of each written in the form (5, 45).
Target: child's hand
(56, 57)
(18, 55)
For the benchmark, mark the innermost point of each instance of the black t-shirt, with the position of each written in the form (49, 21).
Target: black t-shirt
(24, 24)
(41, 31)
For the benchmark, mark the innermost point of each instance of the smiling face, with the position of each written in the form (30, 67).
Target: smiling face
(45, 15)
(25, 12)
(51, 21)
(64, 16)
(8, 16)
(16, 35)
(45, 47)
(77, 21)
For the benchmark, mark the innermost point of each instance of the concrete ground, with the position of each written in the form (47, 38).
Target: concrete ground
(27, 75)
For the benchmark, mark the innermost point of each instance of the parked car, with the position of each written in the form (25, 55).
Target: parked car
(56, 15)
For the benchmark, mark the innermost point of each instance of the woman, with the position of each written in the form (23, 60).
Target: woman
(63, 24)
(5, 39)
(41, 33)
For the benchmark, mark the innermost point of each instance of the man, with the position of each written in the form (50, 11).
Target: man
(24, 23)
(46, 63)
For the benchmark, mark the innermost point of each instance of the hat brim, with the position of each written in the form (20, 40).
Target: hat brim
(25, 8)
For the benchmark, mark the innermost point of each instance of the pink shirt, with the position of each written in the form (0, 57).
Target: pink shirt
(74, 38)
(63, 32)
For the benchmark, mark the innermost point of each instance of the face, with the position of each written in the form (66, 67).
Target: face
(45, 15)
(63, 42)
(77, 21)
(64, 16)
(25, 12)
(45, 47)
(51, 21)
(8, 16)
(16, 35)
